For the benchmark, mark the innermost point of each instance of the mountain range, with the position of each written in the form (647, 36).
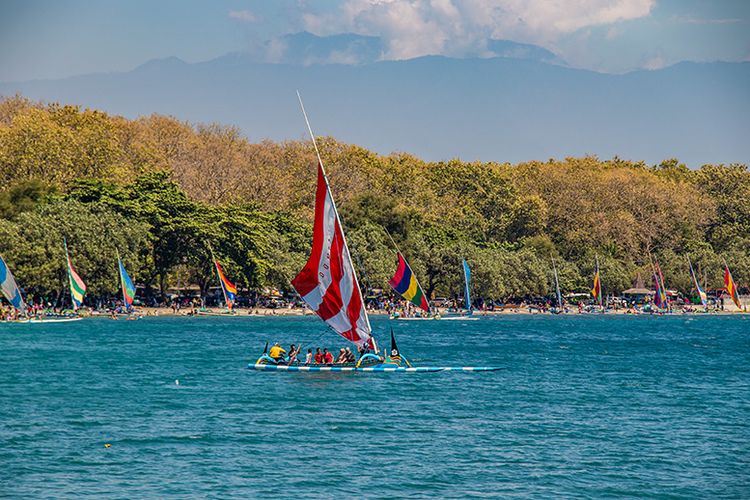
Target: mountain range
(521, 102)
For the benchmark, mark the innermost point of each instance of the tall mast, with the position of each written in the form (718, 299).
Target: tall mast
(557, 285)
(335, 211)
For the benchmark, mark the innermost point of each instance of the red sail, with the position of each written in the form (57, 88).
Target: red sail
(328, 283)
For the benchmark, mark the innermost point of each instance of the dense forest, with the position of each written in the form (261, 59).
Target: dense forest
(159, 190)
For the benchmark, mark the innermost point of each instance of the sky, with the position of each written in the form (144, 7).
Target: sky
(42, 39)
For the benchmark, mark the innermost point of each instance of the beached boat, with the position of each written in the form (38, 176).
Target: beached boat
(10, 288)
(227, 289)
(405, 283)
(328, 284)
(560, 308)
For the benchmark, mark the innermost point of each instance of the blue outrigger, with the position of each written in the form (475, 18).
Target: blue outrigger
(328, 284)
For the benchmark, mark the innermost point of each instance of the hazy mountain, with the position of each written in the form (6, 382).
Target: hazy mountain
(500, 109)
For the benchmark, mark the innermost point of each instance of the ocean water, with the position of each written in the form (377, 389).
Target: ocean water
(586, 407)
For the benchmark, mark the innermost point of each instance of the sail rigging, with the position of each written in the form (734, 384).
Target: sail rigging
(77, 286)
(328, 282)
(10, 287)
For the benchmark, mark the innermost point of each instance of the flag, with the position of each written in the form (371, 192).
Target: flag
(731, 286)
(405, 283)
(230, 291)
(327, 283)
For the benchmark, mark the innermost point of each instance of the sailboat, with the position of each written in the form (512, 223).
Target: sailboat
(329, 286)
(77, 286)
(11, 291)
(560, 308)
(466, 313)
(227, 289)
(128, 290)
(731, 287)
(405, 283)
(701, 294)
(596, 289)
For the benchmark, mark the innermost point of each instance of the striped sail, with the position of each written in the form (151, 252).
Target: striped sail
(662, 290)
(731, 286)
(701, 293)
(405, 283)
(126, 284)
(77, 286)
(467, 281)
(328, 283)
(10, 288)
(229, 290)
(658, 293)
(596, 290)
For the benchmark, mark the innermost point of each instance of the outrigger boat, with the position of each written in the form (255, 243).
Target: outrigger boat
(328, 285)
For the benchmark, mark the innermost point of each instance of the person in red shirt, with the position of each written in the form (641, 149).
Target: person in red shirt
(327, 357)
(318, 357)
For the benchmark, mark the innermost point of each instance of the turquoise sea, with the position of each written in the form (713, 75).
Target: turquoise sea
(584, 407)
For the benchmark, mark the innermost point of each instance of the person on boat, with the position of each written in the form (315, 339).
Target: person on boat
(327, 357)
(318, 357)
(341, 359)
(350, 355)
(309, 357)
(277, 352)
(293, 352)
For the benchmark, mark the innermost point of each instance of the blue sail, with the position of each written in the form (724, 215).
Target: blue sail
(467, 276)
(10, 288)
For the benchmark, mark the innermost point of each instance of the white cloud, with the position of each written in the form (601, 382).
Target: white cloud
(412, 28)
(243, 15)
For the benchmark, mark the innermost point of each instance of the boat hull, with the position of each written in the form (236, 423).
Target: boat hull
(377, 368)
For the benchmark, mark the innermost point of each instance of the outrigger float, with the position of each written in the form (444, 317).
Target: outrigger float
(328, 284)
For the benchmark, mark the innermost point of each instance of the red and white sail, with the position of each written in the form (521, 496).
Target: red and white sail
(328, 283)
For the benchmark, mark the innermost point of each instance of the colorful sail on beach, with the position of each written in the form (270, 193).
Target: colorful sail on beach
(328, 283)
(77, 286)
(230, 291)
(658, 294)
(661, 289)
(731, 286)
(596, 290)
(10, 288)
(701, 293)
(406, 284)
(126, 284)
(467, 281)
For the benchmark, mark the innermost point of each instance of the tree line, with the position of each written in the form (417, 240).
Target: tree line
(158, 191)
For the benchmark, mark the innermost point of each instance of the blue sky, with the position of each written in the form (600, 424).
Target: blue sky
(52, 39)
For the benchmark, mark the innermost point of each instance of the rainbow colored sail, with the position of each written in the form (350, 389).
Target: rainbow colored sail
(731, 286)
(10, 288)
(701, 293)
(661, 290)
(406, 284)
(596, 290)
(230, 291)
(126, 284)
(77, 286)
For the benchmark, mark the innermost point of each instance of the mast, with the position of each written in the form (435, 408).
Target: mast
(338, 218)
(122, 281)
